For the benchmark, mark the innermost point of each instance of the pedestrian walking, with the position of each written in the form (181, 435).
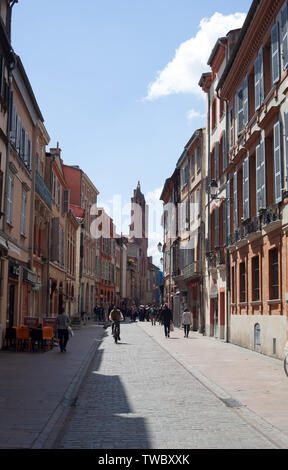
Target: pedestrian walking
(166, 319)
(186, 321)
(63, 323)
(153, 315)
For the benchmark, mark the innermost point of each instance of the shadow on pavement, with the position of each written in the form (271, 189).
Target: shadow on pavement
(97, 421)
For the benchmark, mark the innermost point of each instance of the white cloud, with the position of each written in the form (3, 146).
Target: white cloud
(192, 114)
(183, 73)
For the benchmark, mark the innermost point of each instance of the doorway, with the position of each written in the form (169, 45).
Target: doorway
(11, 305)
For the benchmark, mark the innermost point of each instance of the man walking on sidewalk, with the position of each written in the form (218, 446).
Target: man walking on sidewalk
(166, 318)
(63, 322)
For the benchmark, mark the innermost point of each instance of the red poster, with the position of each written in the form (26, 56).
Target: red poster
(32, 322)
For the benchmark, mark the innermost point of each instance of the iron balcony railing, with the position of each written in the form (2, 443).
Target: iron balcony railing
(43, 191)
(256, 224)
(191, 270)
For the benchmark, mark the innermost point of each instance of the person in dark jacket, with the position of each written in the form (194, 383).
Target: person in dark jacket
(166, 318)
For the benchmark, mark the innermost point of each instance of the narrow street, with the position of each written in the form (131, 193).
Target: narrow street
(139, 394)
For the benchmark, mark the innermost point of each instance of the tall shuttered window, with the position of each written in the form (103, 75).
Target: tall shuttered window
(260, 177)
(277, 163)
(10, 197)
(242, 282)
(284, 35)
(259, 80)
(275, 54)
(255, 279)
(274, 274)
(246, 189)
(23, 212)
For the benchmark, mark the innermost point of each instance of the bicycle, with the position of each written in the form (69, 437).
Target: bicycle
(116, 331)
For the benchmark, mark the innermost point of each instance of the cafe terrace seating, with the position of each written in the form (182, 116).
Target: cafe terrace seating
(23, 338)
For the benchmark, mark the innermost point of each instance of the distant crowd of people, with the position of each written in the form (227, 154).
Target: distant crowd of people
(150, 313)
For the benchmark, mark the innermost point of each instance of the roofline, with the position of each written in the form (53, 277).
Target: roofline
(214, 50)
(28, 86)
(188, 146)
(243, 31)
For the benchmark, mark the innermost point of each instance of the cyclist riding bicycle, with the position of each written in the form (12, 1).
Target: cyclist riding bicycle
(116, 316)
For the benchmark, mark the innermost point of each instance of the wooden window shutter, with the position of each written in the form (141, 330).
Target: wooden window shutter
(18, 133)
(216, 226)
(275, 54)
(13, 124)
(277, 163)
(260, 177)
(231, 127)
(55, 239)
(216, 162)
(224, 152)
(259, 80)
(262, 90)
(246, 189)
(240, 110)
(2, 77)
(66, 200)
(235, 192)
(245, 102)
(286, 146)
(284, 33)
(228, 212)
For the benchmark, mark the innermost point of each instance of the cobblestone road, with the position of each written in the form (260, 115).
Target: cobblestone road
(137, 396)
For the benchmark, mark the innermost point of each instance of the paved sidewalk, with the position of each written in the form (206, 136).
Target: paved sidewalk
(37, 389)
(254, 383)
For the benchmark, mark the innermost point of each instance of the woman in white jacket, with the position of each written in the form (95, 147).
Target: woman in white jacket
(186, 321)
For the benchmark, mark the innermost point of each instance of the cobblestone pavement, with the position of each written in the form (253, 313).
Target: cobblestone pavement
(136, 395)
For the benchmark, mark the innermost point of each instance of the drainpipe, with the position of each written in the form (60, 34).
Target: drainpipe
(202, 242)
(9, 111)
(226, 202)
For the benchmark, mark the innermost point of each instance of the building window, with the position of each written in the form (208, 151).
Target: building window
(214, 115)
(274, 274)
(23, 212)
(231, 127)
(242, 283)
(10, 195)
(233, 284)
(256, 283)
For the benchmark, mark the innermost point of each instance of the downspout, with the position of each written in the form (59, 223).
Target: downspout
(202, 241)
(227, 273)
(12, 65)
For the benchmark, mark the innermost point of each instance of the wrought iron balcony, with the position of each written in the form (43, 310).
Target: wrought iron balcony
(252, 226)
(43, 191)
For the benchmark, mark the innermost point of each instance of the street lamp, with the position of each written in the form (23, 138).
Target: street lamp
(214, 192)
(213, 189)
(159, 246)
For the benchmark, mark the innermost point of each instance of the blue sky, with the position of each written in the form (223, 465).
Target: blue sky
(117, 82)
